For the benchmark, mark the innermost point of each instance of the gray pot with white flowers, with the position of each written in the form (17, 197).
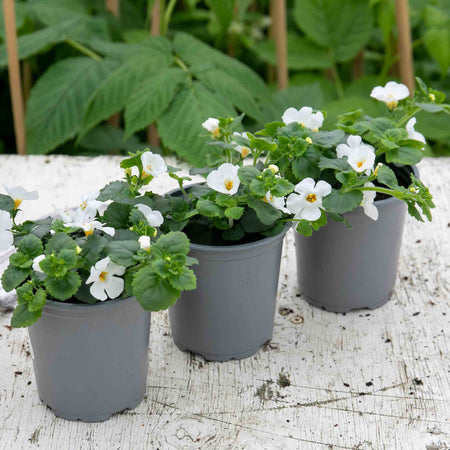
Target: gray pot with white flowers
(86, 282)
(353, 186)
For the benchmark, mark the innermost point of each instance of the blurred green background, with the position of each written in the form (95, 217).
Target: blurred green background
(81, 64)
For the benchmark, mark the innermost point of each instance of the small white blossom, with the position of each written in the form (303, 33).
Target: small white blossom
(144, 242)
(88, 225)
(90, 205)
(360, 156)
(273, 168)
(244, 151)
(212, 125)
(36, 261)
(305, 117)
(412, 133)
(152, 164)
(390, 94)
(6, 235)
(19, 194)
(306, 202)
(276, 202)
(225, 179)
(367, 202)
(154, 218)
(104, 282)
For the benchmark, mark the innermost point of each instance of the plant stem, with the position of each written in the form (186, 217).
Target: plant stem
(406, 117)
(167, 15)
(81, 48)
(181, 63)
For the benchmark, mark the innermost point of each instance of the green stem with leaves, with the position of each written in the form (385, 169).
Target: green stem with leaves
(81, 48)
(167, 15)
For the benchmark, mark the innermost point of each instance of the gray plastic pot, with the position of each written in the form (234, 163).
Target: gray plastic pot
(231, 313)
(91, 361)
(341, 269)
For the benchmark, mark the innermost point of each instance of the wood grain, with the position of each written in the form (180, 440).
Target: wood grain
(365, 380)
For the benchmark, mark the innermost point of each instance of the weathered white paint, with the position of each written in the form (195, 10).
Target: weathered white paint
(330, 359)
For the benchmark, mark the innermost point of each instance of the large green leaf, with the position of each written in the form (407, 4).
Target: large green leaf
(58, 99)
(437, 42)
(196, 52)
(22, 317)
(114, 92)
(180, 125)
(344, 26)
(51, 12)
(151, 97)
(302, 53)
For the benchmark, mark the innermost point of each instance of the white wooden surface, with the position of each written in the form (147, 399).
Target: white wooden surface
(366, 380)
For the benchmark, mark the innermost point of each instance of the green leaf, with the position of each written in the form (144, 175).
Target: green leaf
(38, 301)
(63, 288)
(108, 139)
(437, 43)
(304, 228)
(118, 87)
(339, 202)
(151, 98)
(224, 200)
(116, 215)
(340, 164)
(117, 191)
(22, 317)
(31, 246)
(58, 99)
(6, 203)
(328, 139)
(21, 260)
(122, 252)
(152, 292)
(266, 213)
(257, 188)
(13, 277)
(234, 212)
(58, 242)
(344, 26)
(24, 293)
(307, 165)
(92, 249)
(185, 281)
(404, 155)
(282, 188)
(192, 106)
(386, 176)
(208, 208)
(171, 244)
(247, 174)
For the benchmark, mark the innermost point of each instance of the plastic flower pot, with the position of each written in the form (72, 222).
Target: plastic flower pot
(91, 361)
(341, 269)
(231, 313)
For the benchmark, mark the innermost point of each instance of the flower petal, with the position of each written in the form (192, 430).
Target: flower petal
(114, 286)
(305, 186)
(97, 290)
(322, 188)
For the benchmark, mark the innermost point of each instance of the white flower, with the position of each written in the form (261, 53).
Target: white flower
(305, 117)
(36, 261)
(105, 284)
(273, 168)
(390, 94)
(88, 225)
(307, 202)
(244, 151)
(367, 202)
(90, 205)
(276, 202)
(360, 156)
(225, 179)
(154, 218)
(152, 164)
(412, 133)
(144, 242)
(6, 236)
(212, 125)
(19, 194)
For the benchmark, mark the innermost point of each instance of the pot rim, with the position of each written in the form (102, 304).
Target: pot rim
(63, 306)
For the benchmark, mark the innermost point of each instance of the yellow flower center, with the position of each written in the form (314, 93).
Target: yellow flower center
(17, 202)
(88, 232)
(146, 171)
(315, 130)
(392, 103)
(308, 140)
(216, 132)
(360, 163)
(228, 185)
(311, 198)
(102, 276)
(245, 152)
(83, 205)
(432, 97)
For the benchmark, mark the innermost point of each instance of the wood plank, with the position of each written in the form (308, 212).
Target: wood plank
(365, 380)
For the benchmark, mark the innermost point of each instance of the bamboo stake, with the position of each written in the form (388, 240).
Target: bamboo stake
(15, 84)
(152, 131)
(278, 12)
(358, 65)
(114, 7)
(405, 53)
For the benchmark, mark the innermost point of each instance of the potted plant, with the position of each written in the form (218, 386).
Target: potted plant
(361, 175)
(236, 222)
(78, 276)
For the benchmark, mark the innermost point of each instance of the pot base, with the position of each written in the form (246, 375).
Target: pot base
(222, 357)
(90, 419)
(336, 309)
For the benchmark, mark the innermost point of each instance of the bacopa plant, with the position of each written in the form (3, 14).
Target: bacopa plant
(110, 246)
